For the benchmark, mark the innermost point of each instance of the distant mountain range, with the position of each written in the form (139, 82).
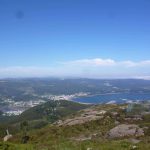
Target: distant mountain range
(18, 95)
(29, 89)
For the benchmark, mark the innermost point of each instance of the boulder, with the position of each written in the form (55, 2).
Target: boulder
(7, 137)
(125, 130)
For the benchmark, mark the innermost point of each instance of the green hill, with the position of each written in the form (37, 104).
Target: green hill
(83, 127)
(41, 115)
(51, 110)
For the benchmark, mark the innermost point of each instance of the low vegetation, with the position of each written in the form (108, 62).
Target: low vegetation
(88, 135)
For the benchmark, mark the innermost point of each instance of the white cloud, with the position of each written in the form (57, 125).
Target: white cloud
(143, 77)
(94, 62)
(136, 64)
(128, 63)
(92, 68)
(108, 62)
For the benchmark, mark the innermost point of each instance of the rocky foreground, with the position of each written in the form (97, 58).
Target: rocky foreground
(124, 125)
(99, 127)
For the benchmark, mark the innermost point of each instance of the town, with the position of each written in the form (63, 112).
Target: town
(11, 107)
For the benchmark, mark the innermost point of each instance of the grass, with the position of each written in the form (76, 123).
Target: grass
(69, 145)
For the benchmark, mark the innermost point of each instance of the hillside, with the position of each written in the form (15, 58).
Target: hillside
(41, 115)
(51, 110)
(99, 127)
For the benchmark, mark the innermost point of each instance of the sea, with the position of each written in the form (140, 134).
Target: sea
(111, 98)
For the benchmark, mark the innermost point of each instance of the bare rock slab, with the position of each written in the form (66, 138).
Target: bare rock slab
(125, 130)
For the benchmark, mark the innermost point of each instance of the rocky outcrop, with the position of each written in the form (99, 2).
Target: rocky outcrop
(7, 137)
(78, 120)
(86, 116)
(125, 130)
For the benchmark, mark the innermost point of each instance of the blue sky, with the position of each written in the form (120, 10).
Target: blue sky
(75, 38)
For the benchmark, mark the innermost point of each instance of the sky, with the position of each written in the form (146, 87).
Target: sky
(75, 38)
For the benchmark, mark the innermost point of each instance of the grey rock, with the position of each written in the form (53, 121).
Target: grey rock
(125, 130)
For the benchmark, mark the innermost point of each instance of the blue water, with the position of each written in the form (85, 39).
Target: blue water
(118, 98)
